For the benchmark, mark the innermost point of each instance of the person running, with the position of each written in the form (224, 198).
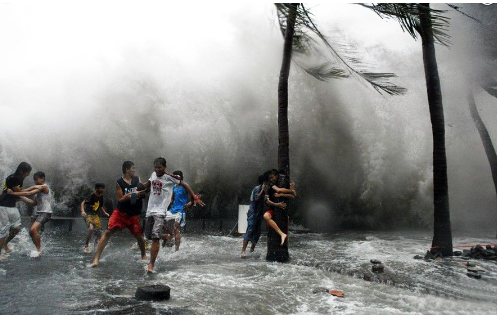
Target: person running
(130, 194)
(254, 216)
(161, 185)
(94, 205)
(272, 202)
(10, 218)
(177, 213)
(43, 211)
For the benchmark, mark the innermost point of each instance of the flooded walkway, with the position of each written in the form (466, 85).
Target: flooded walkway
(208, 277)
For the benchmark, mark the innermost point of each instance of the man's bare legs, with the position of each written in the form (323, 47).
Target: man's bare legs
(275, 227)
(252, 247)
(98, 236)
(141, 244)
(35, 235)
(244, 248)
(91, 228)
(154, 251)
(101, 245)
(177, 236)
(2, 243)
(13, 232)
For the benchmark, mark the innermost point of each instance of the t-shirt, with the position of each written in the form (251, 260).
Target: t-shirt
(255, 192)
(44, 202)
(126, 206)
(180, 199)
(253, 200)
(161, 193)
(94, 204)
(10, 182)
(271, 193)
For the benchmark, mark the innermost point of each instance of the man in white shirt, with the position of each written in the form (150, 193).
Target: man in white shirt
(161, 191)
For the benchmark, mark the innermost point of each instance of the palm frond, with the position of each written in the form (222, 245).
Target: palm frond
(326, 71)
(491, 87)
(408, 15)
(304, 41)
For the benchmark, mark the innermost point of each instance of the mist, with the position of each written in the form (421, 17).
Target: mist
(85, 87)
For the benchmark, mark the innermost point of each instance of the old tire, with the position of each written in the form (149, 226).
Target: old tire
(155, 292)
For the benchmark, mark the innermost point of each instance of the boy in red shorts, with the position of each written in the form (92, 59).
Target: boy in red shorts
(272, 193)
(127, 214)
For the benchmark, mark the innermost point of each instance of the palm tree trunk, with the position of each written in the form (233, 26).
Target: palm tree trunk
(484, 136)
(283, 134)
(442, 238)
(275, 251)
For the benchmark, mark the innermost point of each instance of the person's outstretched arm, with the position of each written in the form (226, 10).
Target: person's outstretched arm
(33, 190)
(191, 193)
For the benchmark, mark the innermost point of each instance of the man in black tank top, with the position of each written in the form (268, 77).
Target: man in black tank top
(10, 218)
(130, 195)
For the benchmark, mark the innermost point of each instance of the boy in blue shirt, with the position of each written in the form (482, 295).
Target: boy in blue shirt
(177, 210)
(254, 216)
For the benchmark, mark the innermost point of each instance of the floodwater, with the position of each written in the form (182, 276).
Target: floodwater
(207, 276)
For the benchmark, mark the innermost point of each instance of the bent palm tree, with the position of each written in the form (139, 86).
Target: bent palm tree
(484, 136)
(295, 22)
(301, 35)
(429, 24)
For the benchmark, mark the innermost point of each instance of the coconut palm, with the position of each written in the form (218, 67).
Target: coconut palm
(484, 136)
(302, 36)
(491, 87)
(429, 24)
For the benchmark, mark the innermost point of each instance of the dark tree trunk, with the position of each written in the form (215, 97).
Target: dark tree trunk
(276, 252)
(484, 136)
(283, 134)
(442, 238)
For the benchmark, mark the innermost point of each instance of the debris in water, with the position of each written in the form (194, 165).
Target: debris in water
(378, 268)
(154, 292)
(474, 275)
(337, 293)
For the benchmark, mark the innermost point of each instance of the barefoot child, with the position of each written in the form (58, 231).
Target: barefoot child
(271, 201)
(94, 205)
(43, 202)
(161, 185)
(177, 211)
(127, 214)
(254, 215)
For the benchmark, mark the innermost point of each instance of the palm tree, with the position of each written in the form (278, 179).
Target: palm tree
(430, 25)
(295, 23)
(484, 136)
(301, 35)
(283, 135)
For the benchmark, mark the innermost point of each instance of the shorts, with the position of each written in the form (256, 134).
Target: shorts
(9, 218)
(179, 217)
(93, 219)
(183, 219)
(271, 212)
(154, 227)
(120, 220)
(41, 217)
